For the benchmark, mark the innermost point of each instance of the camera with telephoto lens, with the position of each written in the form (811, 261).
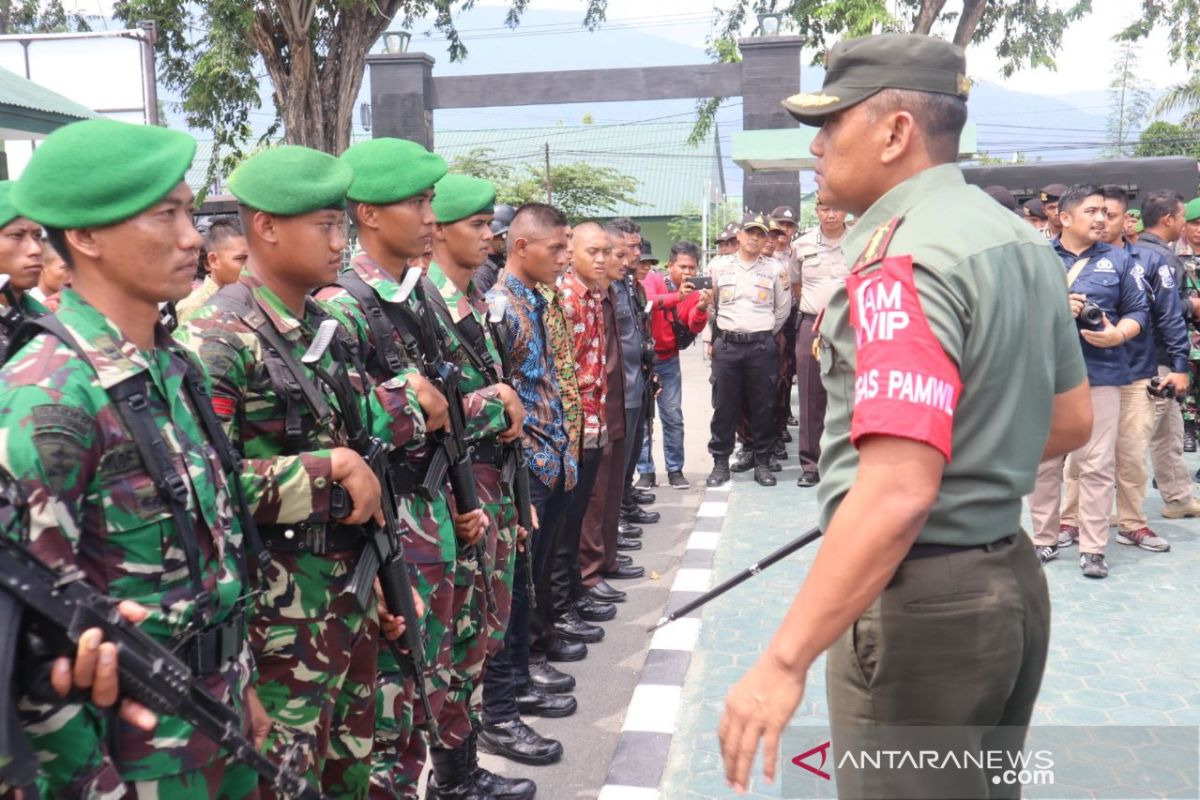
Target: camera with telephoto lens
(1160, 388)
(1092, 316)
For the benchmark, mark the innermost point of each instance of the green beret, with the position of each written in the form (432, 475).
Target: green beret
(390, 170)
(1191, 211)
(7, 212)
(457, 197)
(100, 172)
(291, 180)
(1136, 213)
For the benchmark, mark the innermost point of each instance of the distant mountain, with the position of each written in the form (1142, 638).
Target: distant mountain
(1069, 127)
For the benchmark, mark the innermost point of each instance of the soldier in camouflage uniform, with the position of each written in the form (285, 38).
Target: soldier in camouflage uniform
(462, 206)
(123, 224)
(389, 203)
(315, 648)
(21, 261)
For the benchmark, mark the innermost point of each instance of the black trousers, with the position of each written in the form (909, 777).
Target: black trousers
(508, 670)
(635, 420)
(744, 372)
(566, 585)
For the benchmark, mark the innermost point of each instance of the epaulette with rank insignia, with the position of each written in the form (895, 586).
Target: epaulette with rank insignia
(877, 245)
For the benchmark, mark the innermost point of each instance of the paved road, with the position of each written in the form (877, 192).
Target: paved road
(1124, 651)
(606, 678)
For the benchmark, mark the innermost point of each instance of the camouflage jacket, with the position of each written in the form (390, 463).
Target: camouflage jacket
(492, 420)
(93, 505)
(431, 530)
(286, 488)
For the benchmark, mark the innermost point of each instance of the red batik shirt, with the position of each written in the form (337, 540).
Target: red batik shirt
(585, 312)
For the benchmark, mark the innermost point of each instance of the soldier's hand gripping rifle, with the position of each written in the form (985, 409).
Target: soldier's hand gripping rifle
(59, 606)
(452, 457)
(497, 305)
(383, 555)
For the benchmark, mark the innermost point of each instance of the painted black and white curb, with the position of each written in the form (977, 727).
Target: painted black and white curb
(641, 755)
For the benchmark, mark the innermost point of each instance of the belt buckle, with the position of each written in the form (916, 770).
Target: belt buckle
(314, 539)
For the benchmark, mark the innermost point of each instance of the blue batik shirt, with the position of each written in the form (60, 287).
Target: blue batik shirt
(544, 436)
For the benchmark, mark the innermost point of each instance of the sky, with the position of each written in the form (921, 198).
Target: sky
(1084, 64)
(1081, 66)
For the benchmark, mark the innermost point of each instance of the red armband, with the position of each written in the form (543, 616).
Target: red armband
(905, 384)
(224, 406)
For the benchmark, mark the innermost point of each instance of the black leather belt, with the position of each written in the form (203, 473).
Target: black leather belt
(744, 338)
(926, 550)
(804, 315)
(211, 649)
(311, 537)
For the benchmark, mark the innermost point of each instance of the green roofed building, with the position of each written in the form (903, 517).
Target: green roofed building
(30, 111)
(674, 178)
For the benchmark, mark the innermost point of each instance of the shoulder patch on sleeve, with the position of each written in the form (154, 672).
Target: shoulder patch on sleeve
(59, 436)
(1166, 277)
(905, 384)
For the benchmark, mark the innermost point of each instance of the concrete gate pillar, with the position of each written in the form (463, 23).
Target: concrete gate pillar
(401, 96)
(770, 72)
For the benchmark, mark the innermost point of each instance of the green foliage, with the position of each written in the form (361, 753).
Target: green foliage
(1029, 31)
(35, 16)
(1181, 20)
(214, 55)
(1168, 139)
(985, 159)
(1183, 97)
(1130, 102)
(581, 190)
(688, 226)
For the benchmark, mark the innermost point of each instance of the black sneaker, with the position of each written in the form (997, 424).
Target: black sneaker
(647, 481)
(677, 481)
(793, 422)
(1046, 552)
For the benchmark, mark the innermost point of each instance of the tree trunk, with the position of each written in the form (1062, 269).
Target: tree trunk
(968, 23)
(928, 15)
(315, 91)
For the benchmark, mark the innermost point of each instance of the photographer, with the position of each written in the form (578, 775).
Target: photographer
(1102, 286)
(1158, 364)
(678, 315)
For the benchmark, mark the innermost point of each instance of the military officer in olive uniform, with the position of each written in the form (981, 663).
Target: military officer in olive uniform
(925, 593)
(751, 300)
(20, 264)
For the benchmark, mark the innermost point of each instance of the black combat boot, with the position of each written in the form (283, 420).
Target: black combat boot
(453, 776)
(490, 784)
(720, 472)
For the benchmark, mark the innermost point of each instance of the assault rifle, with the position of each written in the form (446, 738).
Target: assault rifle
(60, 606)
(382, 556)
(452, 457)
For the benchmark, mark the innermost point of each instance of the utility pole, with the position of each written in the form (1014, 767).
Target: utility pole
(149, 70)
(549, 192)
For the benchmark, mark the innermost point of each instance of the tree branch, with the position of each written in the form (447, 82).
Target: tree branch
(967, 23)
(930, 9)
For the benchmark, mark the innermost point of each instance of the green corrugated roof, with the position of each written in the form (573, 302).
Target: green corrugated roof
(671, 174)
(26, 106)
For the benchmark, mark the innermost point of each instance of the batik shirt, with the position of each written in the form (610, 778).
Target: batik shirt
(547, 446)
(585, 313)
(92, 505)
(562, 347)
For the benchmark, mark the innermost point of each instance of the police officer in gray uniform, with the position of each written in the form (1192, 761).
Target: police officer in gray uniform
(751, 300)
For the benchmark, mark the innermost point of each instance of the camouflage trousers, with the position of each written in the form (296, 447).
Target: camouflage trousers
(316, 654)
(217, 780)
(398, 754)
